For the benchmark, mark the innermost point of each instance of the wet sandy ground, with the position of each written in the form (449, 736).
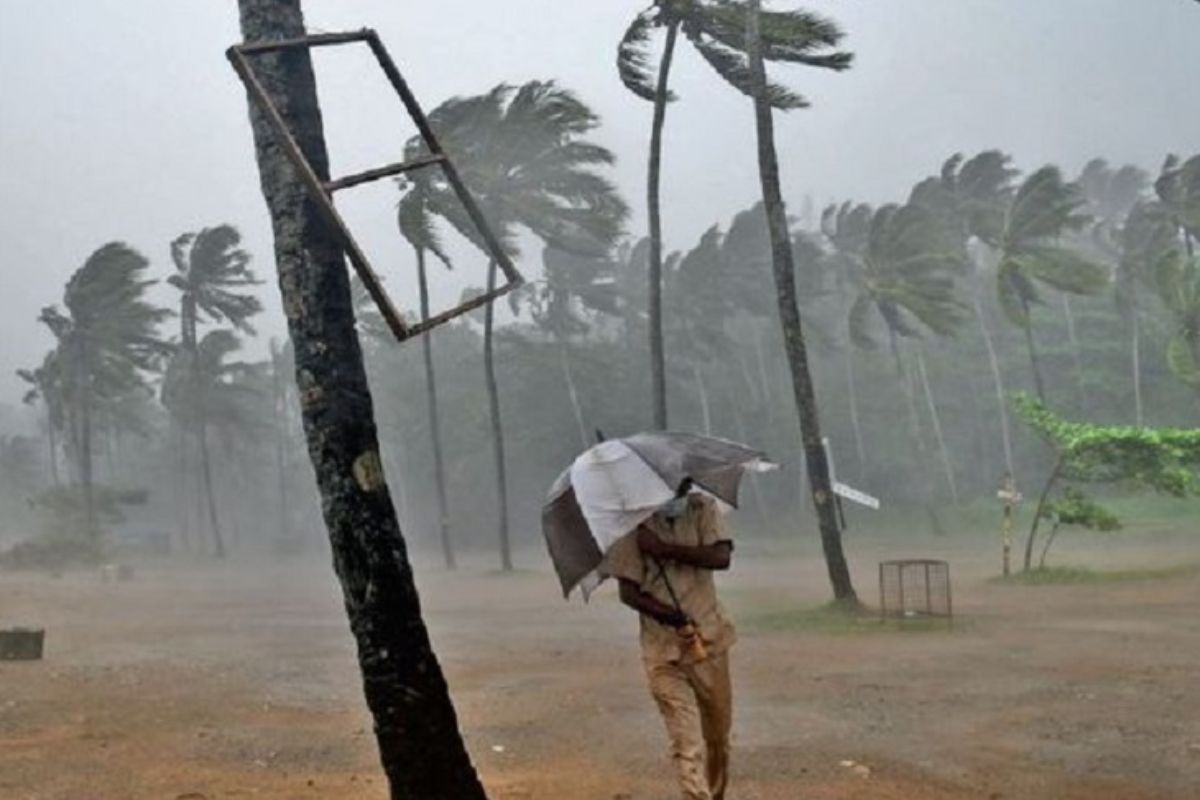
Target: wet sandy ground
(218, 681)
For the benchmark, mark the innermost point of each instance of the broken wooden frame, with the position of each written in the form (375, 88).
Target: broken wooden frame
(322, 191)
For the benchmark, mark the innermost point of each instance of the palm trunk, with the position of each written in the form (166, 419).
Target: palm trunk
(281, 431)
(702, 394)
(210, 500)
(420, 747)
(855, 424)
(564, 360)
(1034, 364)
(658, 370)
(1136, 350)
(85, 456)
(789, 317)
(52, 444)
(435, 426)
(998, 380)
(764, 378)
(1076, 355)
(493, 392)
(947, 465)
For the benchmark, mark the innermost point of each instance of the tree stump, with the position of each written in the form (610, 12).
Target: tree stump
(21, 644)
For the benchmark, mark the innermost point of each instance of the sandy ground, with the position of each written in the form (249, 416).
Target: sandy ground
(221, 681)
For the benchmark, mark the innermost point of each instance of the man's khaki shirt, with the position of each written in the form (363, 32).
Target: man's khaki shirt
(701, 525)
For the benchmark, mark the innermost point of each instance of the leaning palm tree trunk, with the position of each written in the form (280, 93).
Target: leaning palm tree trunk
(998, 380)
(564, 360)
(1034, 364)
(85, 458)
(855, 423)
(435, 427)
(947, 465)
(658, 369)
(52, 445)
(789, 318)
(210, 499)
(420, 747)
(702, 394)
(1076, 354)
(493, 391)
(1135, 343)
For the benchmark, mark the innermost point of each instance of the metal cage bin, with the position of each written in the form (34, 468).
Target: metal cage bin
(915, 588)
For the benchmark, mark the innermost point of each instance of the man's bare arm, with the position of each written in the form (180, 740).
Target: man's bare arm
(635, 598)
(716, 557)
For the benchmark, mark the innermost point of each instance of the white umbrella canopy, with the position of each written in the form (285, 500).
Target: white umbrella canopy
(613, 487)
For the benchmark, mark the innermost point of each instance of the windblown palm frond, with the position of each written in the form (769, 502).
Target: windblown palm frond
(211, 268)
(1178, 188)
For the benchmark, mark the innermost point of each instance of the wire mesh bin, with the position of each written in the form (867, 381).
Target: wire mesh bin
(915, 588)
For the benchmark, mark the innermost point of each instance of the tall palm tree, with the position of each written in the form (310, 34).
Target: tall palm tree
(523, 154)
(969, 197)
(403, 683)
(416, 226)
(107, 340)
(717, 29)
(803, 38)
(1031, 252)
(211, 274)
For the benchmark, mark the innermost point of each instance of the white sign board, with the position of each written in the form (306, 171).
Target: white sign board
(855, 496)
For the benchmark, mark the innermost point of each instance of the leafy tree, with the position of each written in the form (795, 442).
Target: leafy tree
(1030, 251)
(1163, 459)
(107, 341)
(405, 689)
(522, 153)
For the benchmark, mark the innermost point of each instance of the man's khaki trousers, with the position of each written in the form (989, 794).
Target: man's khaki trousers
(696, 701)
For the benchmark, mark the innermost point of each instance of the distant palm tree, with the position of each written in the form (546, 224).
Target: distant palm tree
(1031, 251)
(905, 277)
(45, 384)
(107, 340)
(206, 391)
(522, 153)
(210, 269)
(969, 197)
(1178, 188)
(416, 226)
(1178, 278)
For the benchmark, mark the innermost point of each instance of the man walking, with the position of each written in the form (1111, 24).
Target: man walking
(665, 571)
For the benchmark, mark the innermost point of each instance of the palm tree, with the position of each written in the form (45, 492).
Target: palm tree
(522, 153)
(45, 385)
(1030, 251)
(573, 288)
(107, 341)
(1178, 278)
(802, 38)
(205, 391)
(416, 226)
(421, 749)
(904, 277)
(210, 269)
(717, 29)
(1178, 189)
(969, 197)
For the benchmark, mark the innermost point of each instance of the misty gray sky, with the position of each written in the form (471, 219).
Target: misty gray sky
(120, 119)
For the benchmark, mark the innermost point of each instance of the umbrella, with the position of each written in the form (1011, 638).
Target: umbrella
(613, 487)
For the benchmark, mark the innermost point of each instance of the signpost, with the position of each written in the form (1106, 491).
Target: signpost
(843, 490)
(1011, 498)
